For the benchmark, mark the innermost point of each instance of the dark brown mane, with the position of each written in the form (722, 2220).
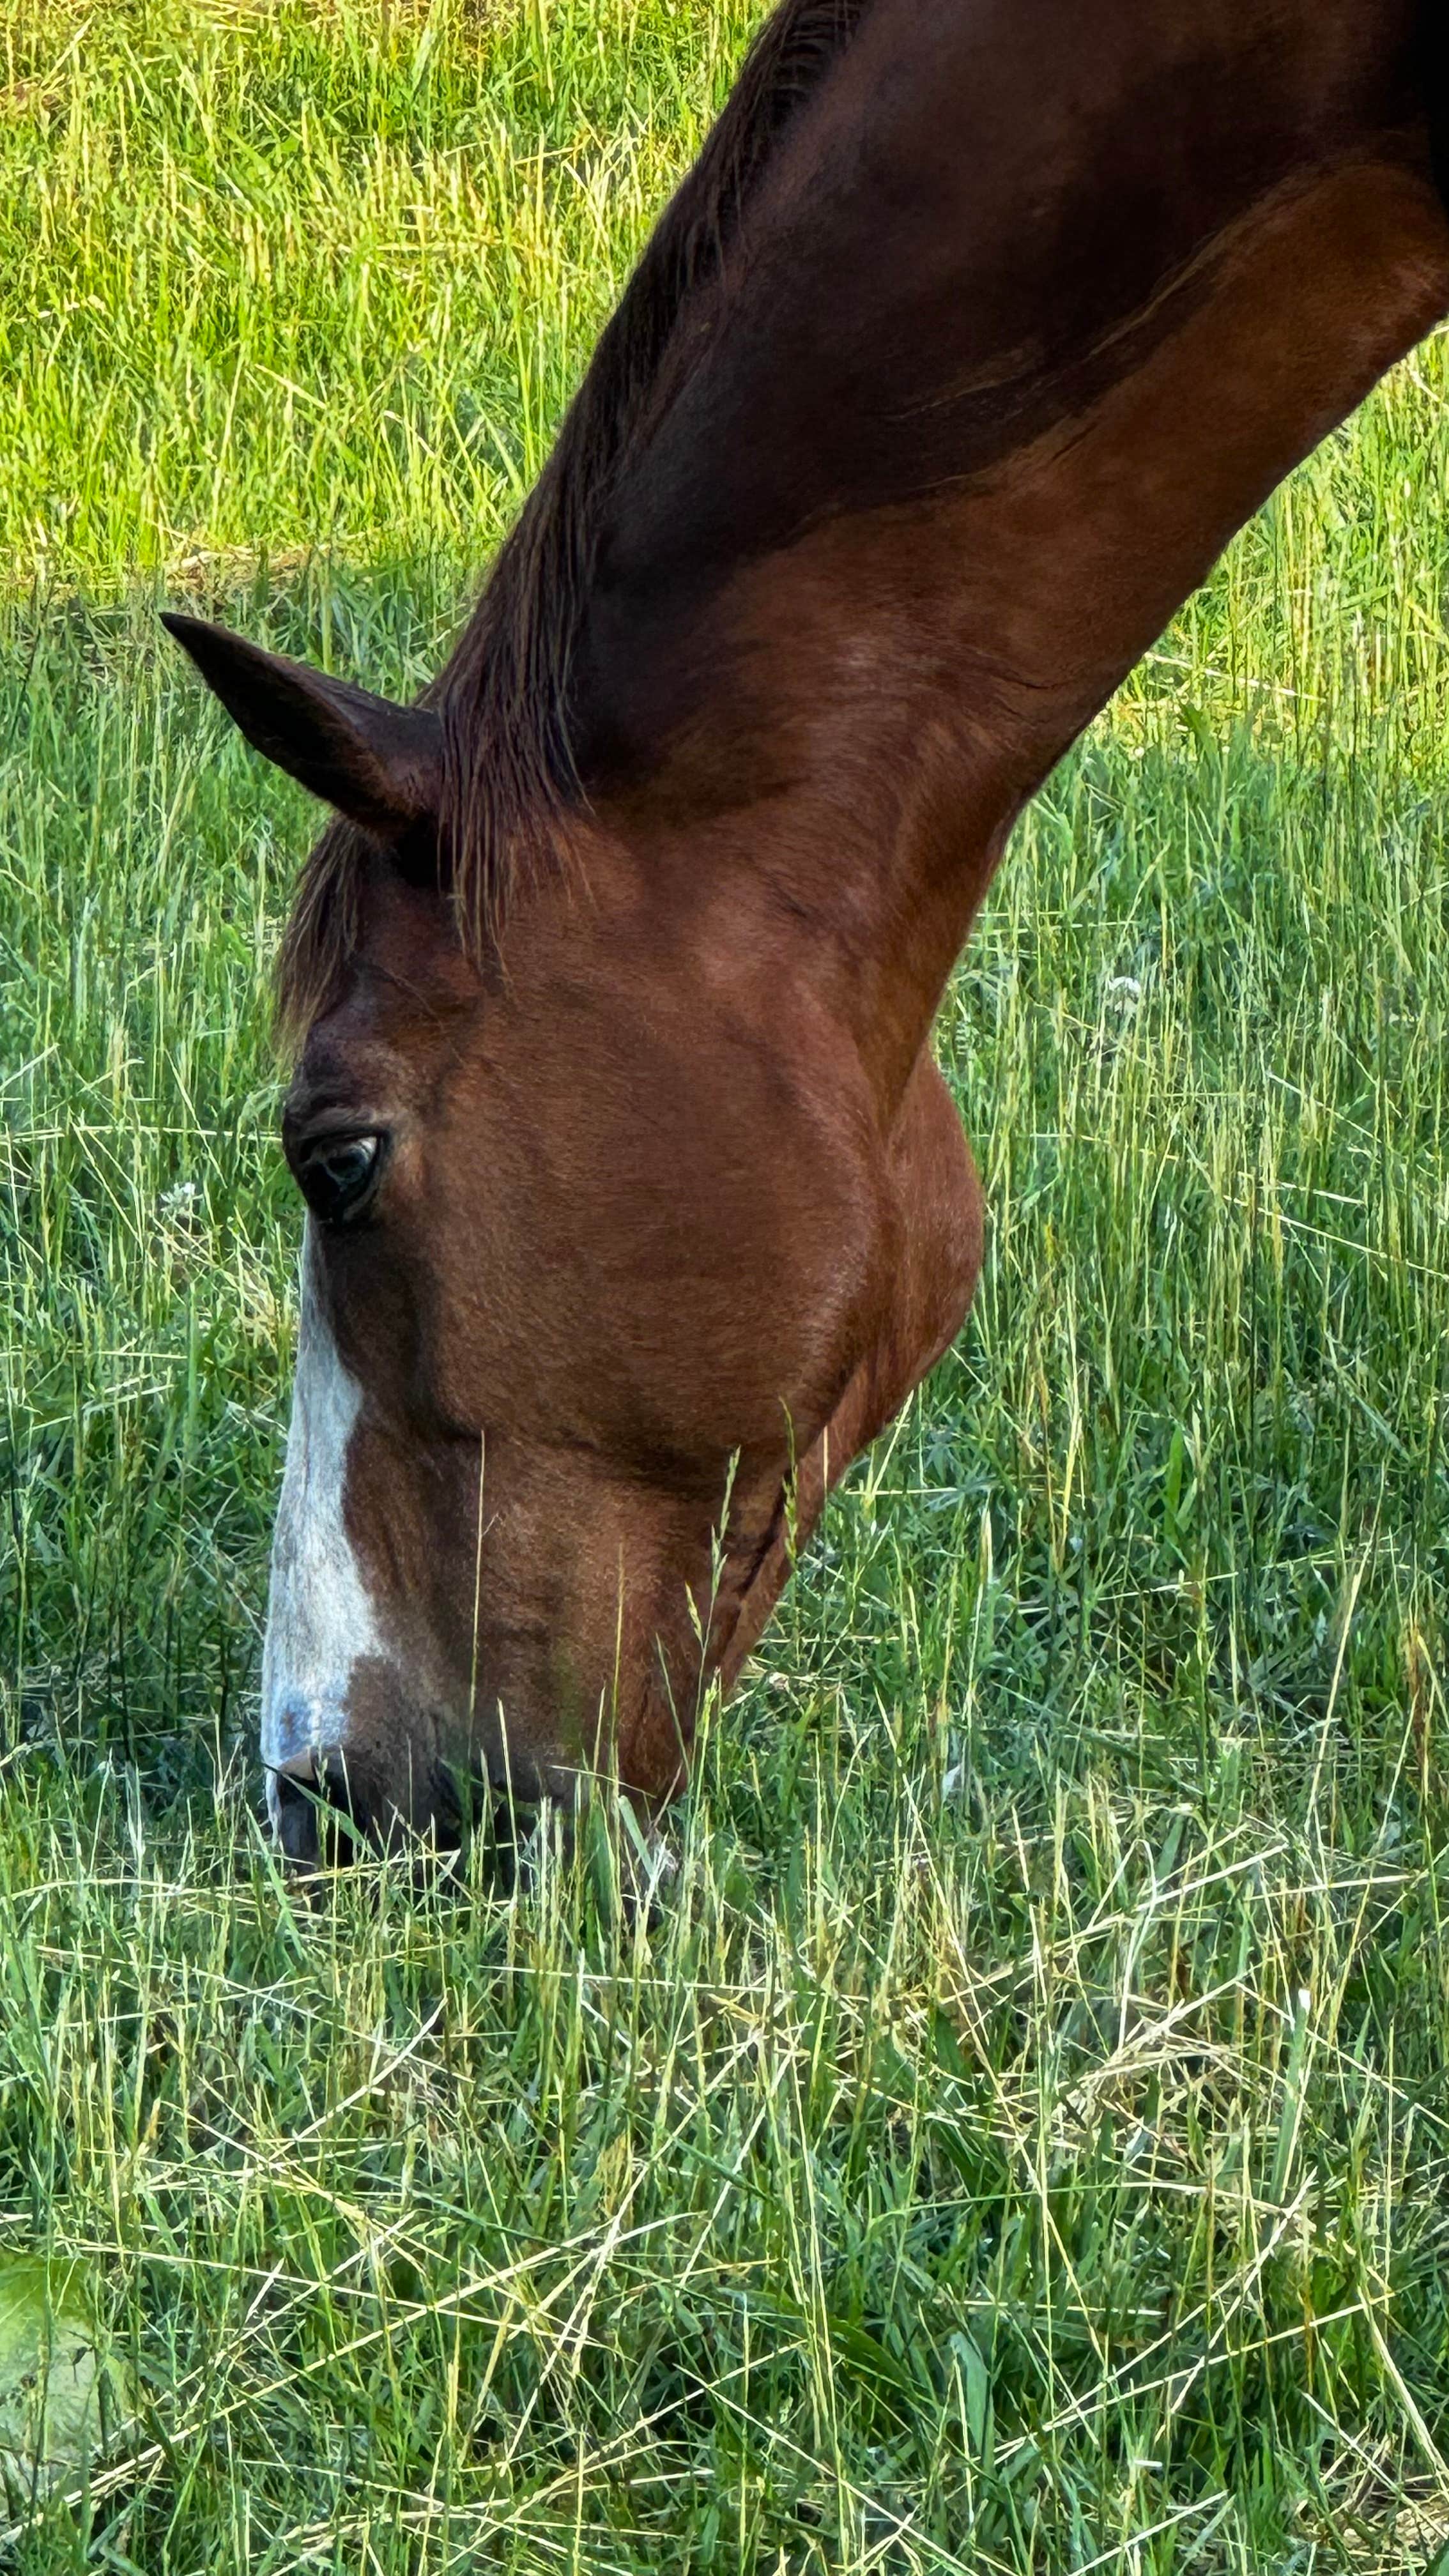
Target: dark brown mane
(505, 697)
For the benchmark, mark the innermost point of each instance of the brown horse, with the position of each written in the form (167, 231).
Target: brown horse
(637, 1204)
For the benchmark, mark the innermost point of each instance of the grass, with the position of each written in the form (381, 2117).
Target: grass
(1022, 2143)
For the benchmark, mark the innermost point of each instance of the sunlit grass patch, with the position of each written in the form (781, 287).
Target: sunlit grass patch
(298, 277)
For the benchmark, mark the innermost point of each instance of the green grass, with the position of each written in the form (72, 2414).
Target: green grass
(1022, 2142)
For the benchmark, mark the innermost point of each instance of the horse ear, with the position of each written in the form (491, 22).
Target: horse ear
(377, 763)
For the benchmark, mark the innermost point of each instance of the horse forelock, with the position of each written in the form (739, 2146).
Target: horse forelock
(506, 696)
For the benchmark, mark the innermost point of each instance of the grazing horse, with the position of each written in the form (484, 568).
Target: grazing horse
(637, 1205)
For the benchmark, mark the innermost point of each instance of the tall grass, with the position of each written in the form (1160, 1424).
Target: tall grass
(305, 277)
(1020, 2141)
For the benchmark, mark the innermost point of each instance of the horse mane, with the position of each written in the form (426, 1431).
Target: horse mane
(505, 698)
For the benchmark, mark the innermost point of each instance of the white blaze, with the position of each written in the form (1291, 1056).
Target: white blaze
(319, 1617)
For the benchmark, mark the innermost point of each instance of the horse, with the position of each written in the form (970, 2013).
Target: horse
(636, 1206)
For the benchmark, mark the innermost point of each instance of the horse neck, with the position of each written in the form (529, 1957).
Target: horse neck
(893, 687)
(1017, 324)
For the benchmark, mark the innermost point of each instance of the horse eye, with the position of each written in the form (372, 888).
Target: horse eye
(338, 1175)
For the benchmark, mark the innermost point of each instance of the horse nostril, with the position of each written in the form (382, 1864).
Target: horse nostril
(309, 1794)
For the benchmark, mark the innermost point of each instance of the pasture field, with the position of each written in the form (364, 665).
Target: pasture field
(1022, 2140)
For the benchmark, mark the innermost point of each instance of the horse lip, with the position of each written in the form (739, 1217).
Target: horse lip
(297, 1729)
